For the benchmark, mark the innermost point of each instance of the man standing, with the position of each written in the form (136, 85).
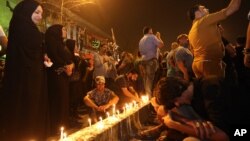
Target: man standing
(148, 47)
(183, 57)
(205, 39)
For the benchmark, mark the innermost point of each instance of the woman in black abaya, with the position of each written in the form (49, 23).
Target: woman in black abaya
(58, 77)
(25, 88)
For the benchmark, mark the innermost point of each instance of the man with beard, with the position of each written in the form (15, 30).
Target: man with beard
(125, 89)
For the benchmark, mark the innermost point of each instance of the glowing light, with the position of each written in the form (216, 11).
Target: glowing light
(89, 121)
(145, 98)
(107, 114)
(61, 135)
(118, 113)
(113, 109)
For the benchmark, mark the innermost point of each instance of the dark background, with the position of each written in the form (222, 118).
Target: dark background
(169, 17)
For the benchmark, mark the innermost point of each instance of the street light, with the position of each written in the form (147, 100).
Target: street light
(75, 3)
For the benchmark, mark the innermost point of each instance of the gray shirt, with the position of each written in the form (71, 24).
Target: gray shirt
(184, 54)
(148, 46)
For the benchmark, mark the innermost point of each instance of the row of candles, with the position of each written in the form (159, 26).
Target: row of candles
(116, 114)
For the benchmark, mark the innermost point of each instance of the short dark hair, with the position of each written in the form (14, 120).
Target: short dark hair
(146, 29)
(181, 36)
(168, 89)
(192, 10)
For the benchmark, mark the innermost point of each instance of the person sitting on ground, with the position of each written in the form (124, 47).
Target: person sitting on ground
(100, 99)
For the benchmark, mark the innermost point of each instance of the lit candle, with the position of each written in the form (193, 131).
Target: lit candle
(100, 119)
(118, 112)
(142, 98)
(145, 99)
(108, 114)
(124, 109)
(134, 104)
(89, 120)
(64, 137)
(130, 106)
(113, 109)
(100, 124)
(61, 136)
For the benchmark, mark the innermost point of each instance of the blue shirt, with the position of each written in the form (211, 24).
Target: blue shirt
(148, 46)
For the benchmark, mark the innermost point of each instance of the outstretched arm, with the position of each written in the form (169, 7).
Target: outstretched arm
(233, 6)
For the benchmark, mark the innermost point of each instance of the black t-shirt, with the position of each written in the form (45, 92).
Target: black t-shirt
(122, 82)
(209, 101)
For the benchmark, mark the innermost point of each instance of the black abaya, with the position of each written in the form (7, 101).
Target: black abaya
(25, 87)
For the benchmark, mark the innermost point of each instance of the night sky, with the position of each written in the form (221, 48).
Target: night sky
(169, 17)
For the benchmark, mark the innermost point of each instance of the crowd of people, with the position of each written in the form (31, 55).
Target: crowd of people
(193, 87)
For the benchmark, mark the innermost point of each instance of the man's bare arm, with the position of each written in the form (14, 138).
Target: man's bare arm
(233, 6)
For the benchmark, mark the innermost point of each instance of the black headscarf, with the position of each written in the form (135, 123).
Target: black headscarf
(25, 88)
(25, 9)
(70, 43)
(56, 48)
(54, 32)
(25, 39)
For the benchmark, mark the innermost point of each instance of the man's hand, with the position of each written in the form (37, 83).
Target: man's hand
(161, 113)
(203, 129)
(103, 108)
